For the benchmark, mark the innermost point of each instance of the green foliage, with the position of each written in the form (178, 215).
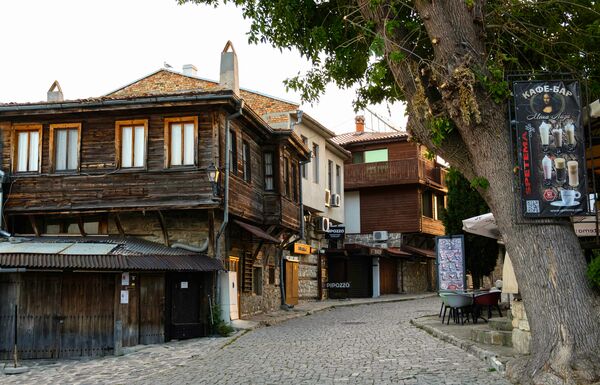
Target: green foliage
(440, 128)
(593, 272)
(219, 326)
(465, 202)
(480, 182)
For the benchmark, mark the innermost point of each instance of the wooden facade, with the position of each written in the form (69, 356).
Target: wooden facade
(60, 313)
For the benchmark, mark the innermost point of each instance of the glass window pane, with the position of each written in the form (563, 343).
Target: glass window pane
(91, 227)
(22, 151)
(61, 150)
(72, 148)
(73, 228)
(176, 150)
(189, 143)
(126, 143)
(139, 149)
(376, 156)
(34, 137)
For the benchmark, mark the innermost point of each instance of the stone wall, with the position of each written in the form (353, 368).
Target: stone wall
(415, 276)
(269, 299)
(521, 334)
(394, 239)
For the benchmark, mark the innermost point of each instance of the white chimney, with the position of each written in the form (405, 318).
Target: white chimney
(55, 93)
(190, 70)
(229, 69)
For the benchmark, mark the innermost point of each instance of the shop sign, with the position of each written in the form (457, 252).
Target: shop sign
(450, 252)
(301, 248)
(292, 258)
(550, 146)
(336, 232)
(585, 226)
(337, 285)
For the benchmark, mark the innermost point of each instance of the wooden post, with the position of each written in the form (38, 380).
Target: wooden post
(15, 353)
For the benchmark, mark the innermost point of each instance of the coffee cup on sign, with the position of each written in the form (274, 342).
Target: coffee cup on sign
(568, 197)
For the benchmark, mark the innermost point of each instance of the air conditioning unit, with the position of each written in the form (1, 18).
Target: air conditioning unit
(327, 197)
(322, 224)
(336, 200)
(380, 236)
(380, 245)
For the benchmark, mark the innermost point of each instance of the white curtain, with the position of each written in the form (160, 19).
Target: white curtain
(34, 138)
(72, 156)
(126, 143)
(176, 150)
(189, 143)
(139, 147)
(61, 150)
(22, 151)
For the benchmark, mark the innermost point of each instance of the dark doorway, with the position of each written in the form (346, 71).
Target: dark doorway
(186, 306)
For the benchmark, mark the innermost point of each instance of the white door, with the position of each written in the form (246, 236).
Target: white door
(233, 296)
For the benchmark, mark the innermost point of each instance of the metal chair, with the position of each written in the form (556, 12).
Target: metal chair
(460, 306)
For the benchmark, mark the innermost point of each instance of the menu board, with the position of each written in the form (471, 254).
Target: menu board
(450, 251)
(551, 148)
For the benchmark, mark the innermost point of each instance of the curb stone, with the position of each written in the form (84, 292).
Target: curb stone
(485, 355)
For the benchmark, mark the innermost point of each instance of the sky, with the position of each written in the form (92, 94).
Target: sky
(95, 47)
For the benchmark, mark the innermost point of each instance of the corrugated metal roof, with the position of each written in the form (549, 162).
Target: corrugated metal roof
(101, 253)
(360, 137)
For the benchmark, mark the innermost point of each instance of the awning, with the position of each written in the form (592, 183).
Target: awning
(484, 225)
(422, 252)
(397, 252)
(257, 232)
(187, 263)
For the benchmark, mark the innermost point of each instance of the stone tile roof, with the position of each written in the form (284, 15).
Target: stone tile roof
(362, 137)
(166, 81)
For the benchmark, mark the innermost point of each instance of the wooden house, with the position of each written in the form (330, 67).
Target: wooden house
(393, 199)
(127, 217)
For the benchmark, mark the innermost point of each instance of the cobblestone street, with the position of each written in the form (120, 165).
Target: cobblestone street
(367, 344)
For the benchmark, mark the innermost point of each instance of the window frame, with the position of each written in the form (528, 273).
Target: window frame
(119, 124)
(303, 167)
(330, 175)
(338, 179)
(246, 161)
(53, 148)
(272, 174)
(167, 141)
(17, 128)
(233, 154)
(316, 164)
(286, 178)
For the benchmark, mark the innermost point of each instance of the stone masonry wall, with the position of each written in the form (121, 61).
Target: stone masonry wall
(415, 277)
(521, 335)
(394, 239)
(253, 303)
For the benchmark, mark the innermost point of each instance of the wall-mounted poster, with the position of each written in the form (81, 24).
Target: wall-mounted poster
(450, 262)
(550, 148)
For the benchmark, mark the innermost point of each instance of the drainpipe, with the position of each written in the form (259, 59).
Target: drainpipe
(302, 163)
(223, 288)
(3, 233)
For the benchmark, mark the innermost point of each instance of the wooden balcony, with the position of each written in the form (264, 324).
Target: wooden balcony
(395, 172)
(432, 226)
(281, 211)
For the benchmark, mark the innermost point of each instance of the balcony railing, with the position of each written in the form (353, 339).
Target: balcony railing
(405, 171)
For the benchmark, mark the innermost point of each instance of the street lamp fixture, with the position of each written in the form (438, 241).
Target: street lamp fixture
(213, 178)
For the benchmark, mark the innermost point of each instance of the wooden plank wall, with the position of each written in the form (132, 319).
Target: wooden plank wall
(8, 297)
(99, 184)
(152, 306)
(402, 201)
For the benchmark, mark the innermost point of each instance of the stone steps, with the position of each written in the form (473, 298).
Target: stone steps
(492, 337)
(501, 324)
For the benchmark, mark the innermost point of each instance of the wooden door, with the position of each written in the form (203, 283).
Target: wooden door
(87, 314)
(152, 305)
(360, 277)
(185, 310)
(337, 271)
(233, 296)
(388, 276)
(291, 282)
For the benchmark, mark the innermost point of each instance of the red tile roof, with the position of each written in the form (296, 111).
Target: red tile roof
(362, 137)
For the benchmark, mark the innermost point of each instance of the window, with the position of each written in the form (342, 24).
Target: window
(295, 182)
(427, 204)
(246, 161)
(268, 156)
(181, 135)
(315, 163)
(370, 156)
(130, 143)
(271, 275)
(303, 167)
(64, 146)
(257, 280)
(338, 179)
(286, 176)
(440, 204)
(28, 149)
(330, 175)
(233, 165)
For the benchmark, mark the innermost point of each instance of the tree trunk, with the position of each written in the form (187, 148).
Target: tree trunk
(563, 311)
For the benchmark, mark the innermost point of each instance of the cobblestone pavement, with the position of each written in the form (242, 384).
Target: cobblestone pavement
(367, 344)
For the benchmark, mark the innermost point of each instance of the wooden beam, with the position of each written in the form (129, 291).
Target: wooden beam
(119, 225)
(34, 225)
(163, 226)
